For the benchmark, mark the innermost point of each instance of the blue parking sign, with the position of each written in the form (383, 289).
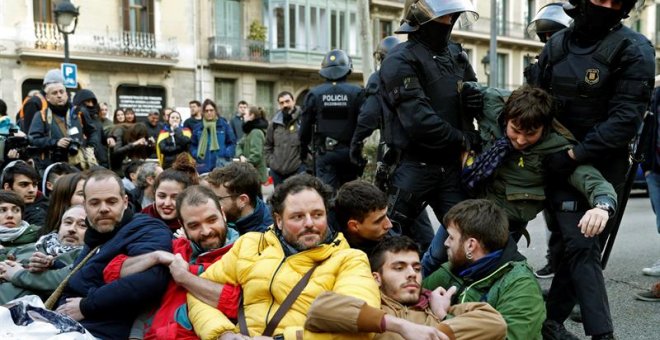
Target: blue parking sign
(70, 74)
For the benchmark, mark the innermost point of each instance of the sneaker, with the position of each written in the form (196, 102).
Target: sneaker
(553, 330)
(653, 270)
(545, 272)
(652, 295)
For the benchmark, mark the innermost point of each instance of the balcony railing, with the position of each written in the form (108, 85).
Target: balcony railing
(123, 43)
(507, 28)
(237, 49)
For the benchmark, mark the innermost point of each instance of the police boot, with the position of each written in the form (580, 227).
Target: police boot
(553, 330)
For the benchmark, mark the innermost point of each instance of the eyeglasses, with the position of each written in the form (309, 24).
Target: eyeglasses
(220, 198)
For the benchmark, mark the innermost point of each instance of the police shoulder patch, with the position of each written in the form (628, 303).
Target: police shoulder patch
(592, 76)
(411, 82)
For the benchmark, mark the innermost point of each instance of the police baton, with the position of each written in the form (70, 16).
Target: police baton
(637, 156)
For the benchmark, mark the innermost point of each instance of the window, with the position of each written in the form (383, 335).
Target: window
(502, 70)
(385, 29)
(528, 14)
(43, 11)
(266, 97)
(225, 96)
(138, 16)
(502, 17)
(279, 26)
(228, 19)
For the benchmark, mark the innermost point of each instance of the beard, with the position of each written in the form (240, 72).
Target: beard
(458, 261)
(307, 239)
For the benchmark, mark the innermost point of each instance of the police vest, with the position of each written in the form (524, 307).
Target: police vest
(582, 80)
(337, 108)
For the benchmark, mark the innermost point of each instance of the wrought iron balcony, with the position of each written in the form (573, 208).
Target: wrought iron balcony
(120, 43)
(509, 29)
(222, 48)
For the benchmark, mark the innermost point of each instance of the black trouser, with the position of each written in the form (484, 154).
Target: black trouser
(579, 273)
(415, 185)
(334, 167)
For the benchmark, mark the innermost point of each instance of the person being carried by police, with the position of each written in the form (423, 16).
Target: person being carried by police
(601, 74)
(428, 112)
(329, 117)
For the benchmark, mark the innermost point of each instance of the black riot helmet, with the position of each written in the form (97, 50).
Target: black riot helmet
(419, 12)
(336, 65)
(384, 47)
(627, 6)
(550, 18)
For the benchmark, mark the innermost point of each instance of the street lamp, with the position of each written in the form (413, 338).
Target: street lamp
(486, 62)
(66, 18)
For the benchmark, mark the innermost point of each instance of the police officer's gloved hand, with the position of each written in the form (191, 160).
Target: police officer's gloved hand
(356, 155)
(471, 141)
(472, 99)
(560, 164)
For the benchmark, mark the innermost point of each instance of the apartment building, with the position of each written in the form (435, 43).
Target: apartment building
(154, 53)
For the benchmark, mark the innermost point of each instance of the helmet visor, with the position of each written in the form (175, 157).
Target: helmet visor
(427, 10)
(552, 12)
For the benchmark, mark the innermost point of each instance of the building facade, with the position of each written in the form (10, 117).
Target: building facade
(148, 54)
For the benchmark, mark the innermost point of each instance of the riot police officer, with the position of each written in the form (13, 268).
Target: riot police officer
(421, 79)
(329, 117)
(601, 75)
(550, 19)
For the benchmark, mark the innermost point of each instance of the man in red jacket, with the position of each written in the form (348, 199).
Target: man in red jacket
(207, 240)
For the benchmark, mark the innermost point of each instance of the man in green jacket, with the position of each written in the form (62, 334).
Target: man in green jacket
(485, 265)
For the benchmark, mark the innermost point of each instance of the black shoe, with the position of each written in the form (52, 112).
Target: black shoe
(553, 330)
(608, 336)
(576, 314)
(545, 272)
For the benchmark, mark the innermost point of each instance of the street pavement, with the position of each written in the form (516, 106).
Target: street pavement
(637, 246)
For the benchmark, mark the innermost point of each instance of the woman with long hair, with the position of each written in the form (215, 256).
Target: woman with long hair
(168, 185)
(130, 116)
(251, 146)
(68, 191)
(119, 117)
(213, 141)
(173, 140)
(131, 143)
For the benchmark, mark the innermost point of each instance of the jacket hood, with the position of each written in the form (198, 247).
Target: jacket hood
(260, 123)
(259, 220)
(82, 96)
(270, 239)
(279, 116)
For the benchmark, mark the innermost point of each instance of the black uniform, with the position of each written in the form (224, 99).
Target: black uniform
(329, 116)
(602, 89)
(421, 86)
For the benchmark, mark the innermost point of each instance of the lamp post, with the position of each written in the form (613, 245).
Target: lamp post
(486, 62)
(66, 18)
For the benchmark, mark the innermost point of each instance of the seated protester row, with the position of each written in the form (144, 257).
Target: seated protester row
(268, 265)
(361, 215)
(167, 186)
(513, 172)
(52, 173)
(407, 310)
(14, 231)
(207, 240)
(108, 310)
(238, 187)
(23, 179)
(68, 191)
(50, 262)
(213, 142)
(485, 265)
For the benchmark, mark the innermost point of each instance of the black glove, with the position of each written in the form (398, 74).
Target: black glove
(356, 155)
(471, 141)
(472, 99)
(560, 164)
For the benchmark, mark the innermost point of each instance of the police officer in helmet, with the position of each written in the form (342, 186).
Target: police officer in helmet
(329, 117)
(600, 73)
(422, 81)
(550, 19)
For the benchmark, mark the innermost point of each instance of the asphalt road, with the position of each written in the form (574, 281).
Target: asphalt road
(637, 246)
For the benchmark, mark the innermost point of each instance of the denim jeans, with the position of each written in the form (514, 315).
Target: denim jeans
(653, 182)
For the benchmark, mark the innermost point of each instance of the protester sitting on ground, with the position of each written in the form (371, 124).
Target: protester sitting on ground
(108, 310)
(512, 170)
(52, 173)
(144, 192)
(172, 140)
(207, 240)
(130, 174)
(68, 191)
(268, 265)
(407, 310)
(167, 186)
(14, 231)
(361, 215)
(47, 267)
(23, 179)
(250, 147)
(238, 188)
(485, 265)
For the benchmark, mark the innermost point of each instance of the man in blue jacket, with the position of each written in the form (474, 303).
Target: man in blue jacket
(108, 310)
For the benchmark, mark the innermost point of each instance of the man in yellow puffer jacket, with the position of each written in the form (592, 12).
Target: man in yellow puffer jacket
(268, 265)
